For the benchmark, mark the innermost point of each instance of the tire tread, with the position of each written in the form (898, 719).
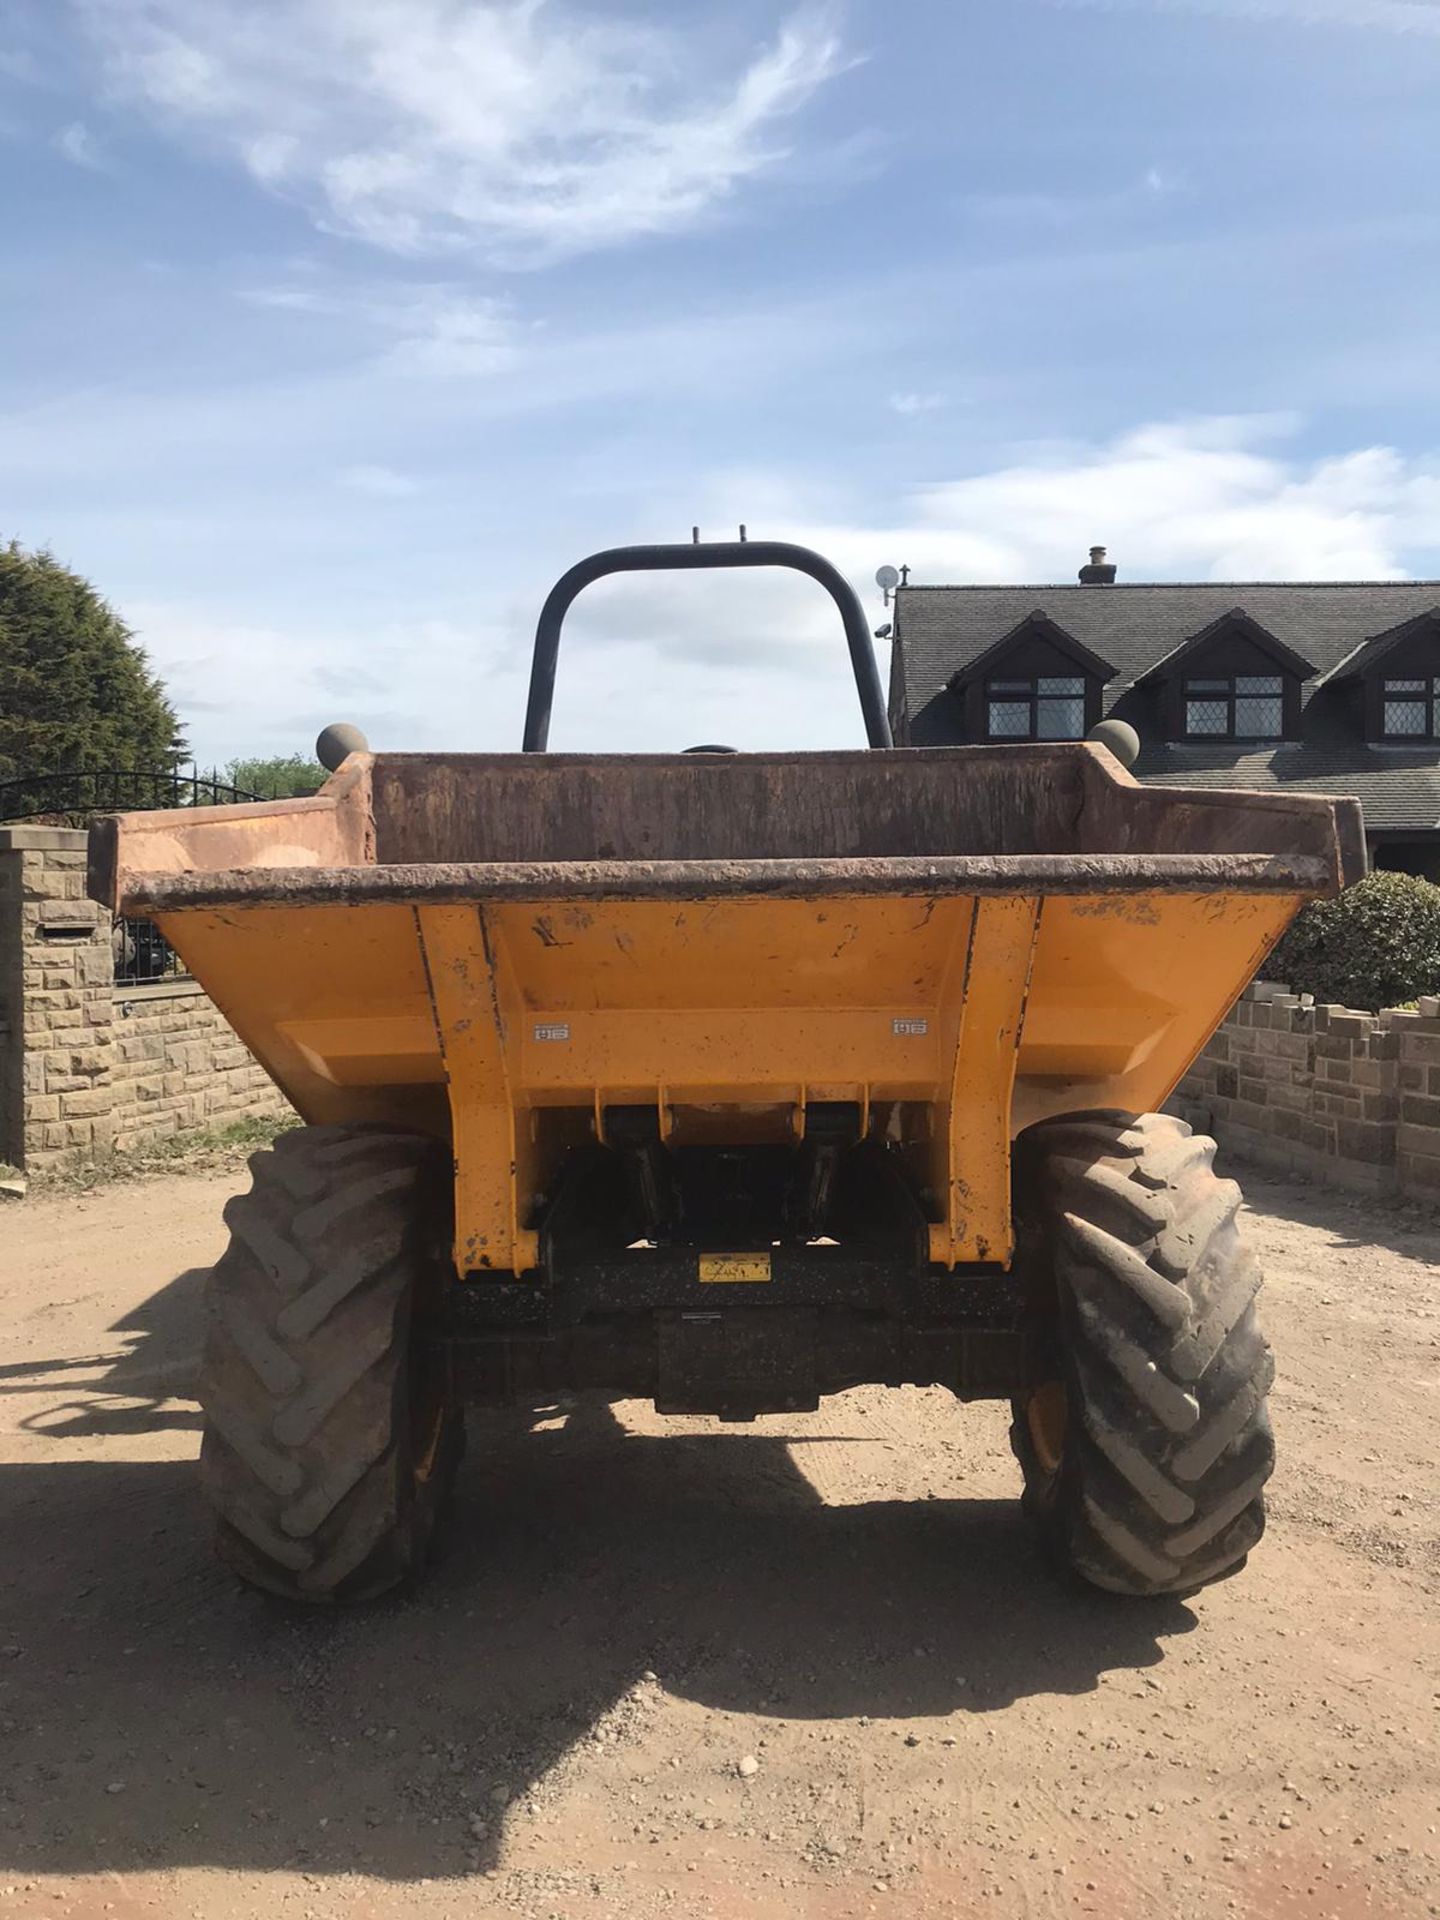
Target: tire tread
(306, 1370)
(1168, 1444)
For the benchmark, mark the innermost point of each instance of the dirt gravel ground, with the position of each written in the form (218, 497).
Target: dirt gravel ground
(811, 1667)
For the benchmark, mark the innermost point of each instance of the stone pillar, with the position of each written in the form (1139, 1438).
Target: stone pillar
(12, 1016)
(1417, 1034)
(56, 988)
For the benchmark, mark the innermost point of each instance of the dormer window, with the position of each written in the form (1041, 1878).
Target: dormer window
(1231, 683)
(1036, 682)
(1409, 709)
(1242, 706)
(1391, 680)
(1048, 707)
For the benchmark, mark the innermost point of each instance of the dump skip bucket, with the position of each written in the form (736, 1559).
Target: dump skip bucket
(955, 942)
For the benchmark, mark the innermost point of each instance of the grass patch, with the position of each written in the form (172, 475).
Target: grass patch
(208, 1150)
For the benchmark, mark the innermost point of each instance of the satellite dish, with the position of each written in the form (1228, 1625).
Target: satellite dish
(887, 579)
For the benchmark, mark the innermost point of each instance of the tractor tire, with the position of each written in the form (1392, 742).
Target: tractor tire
(1143, 1435)
(330, 1437)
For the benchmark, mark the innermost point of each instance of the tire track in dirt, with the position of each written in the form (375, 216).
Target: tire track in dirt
(632, 1606)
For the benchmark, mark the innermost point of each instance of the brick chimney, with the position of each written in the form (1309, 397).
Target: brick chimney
(1098, 573)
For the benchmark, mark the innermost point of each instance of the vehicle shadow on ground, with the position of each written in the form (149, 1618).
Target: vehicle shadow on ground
(154, 1714)
(1355, 1222)
(146, 1388)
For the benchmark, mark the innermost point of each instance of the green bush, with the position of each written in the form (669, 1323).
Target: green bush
(76, 692)
(277, 778)
(1375, 945)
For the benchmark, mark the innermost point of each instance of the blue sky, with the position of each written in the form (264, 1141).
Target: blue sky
(333, 330)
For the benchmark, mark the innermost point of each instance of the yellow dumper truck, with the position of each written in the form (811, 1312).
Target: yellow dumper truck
(727, 1080)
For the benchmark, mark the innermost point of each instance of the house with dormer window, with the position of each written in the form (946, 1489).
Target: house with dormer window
(1324, 687)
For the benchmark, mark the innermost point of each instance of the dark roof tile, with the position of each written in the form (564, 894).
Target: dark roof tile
(1233, 617)
(1398, 787)
(944, 628)
(1036, 622)
(941, 631)
(1372, 651)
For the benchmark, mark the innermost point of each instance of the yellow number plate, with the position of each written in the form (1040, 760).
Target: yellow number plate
(730, 1267)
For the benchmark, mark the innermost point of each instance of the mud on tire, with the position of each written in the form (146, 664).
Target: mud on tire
(1144, 1440)
(329, 1438)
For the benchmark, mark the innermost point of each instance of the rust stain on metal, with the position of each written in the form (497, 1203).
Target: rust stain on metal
(1139, 913)
(393, 813)
(712, 881)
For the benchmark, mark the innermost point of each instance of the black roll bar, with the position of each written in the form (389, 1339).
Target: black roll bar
(710, 553)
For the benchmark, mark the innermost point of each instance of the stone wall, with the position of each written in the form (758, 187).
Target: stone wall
(178, 1066)
(88, 1066)
(1325, 1091)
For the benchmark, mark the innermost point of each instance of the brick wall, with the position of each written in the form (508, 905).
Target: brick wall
(1325, 1091)
(177, 1066)
(89, 1067)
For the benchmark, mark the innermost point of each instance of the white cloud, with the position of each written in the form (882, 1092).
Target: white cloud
(449, 334)
(906, 403)
(627, 680)
(524, 129)
(259, 687)
(757, 658)
(1216, 498)
(1207, 499)
(79, 146)
(270, 156)
(433, 331)
(381, 483)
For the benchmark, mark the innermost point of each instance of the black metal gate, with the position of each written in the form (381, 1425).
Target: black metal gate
(72, 799)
